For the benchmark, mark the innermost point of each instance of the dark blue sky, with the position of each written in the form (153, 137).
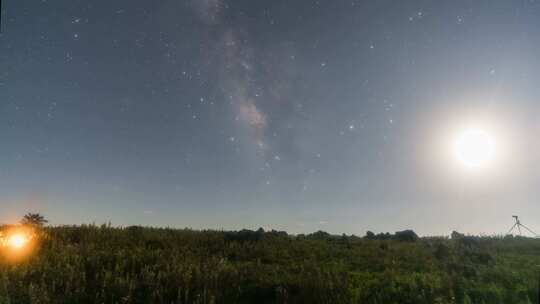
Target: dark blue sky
(293, 115)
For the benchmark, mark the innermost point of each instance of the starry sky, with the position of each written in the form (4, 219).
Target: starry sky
(289, 115)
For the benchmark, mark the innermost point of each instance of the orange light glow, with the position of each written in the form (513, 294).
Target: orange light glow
(17, 243)
(17, 240)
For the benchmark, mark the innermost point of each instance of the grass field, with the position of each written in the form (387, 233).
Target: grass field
(102, 264)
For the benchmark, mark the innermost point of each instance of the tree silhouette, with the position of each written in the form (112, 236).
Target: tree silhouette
(34, 219)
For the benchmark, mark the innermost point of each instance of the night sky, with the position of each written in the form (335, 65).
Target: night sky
(289, 115)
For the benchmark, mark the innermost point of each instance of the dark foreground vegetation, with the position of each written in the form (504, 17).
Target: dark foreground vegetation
(91, 264)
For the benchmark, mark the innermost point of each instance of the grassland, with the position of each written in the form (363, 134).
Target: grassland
(103, 264)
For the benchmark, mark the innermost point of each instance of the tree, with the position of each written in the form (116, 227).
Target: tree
(406, 236)
(34, 219)
(370, 235)
(456, 235)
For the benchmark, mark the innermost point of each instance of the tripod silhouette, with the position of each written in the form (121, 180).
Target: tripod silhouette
(519, 225)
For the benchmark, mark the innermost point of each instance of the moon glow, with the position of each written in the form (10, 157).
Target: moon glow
(474, 148)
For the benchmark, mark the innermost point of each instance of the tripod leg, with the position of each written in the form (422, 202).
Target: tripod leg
(529, 230)
(519, 229)
(511, 229)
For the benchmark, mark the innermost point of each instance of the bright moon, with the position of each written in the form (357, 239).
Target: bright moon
(474, 148)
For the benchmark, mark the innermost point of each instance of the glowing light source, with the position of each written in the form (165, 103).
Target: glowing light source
(474, 148)
(17, 243)
(17, 240)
